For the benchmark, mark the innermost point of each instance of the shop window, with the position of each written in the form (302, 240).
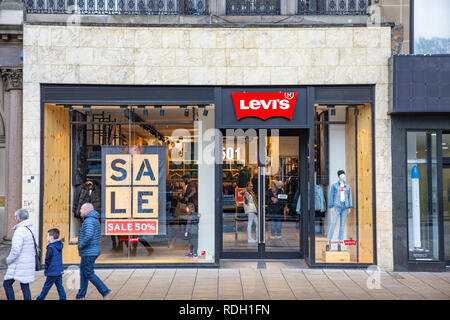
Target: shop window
(343, 203)
(144, 171)
(422, 196)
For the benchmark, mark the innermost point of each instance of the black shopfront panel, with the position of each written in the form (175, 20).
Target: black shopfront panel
(227, 117)
(294, 129)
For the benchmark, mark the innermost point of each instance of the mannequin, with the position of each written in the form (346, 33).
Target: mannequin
(341, 200)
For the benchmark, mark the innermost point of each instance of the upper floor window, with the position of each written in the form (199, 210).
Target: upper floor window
(431, 26)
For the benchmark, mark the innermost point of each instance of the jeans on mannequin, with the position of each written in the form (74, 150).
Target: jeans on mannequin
(339, 211)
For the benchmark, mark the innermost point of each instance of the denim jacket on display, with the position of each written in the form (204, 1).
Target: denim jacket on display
(319, 200)
(335, 196)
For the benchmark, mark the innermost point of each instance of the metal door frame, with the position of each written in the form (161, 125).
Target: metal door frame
(261, 253)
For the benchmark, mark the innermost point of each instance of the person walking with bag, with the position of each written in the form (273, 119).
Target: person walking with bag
(89, 250)
(21, 259)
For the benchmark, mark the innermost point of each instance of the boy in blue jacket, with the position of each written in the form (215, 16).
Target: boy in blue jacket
(53, 265)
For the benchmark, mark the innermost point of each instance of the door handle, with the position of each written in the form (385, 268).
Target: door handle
(262, 204)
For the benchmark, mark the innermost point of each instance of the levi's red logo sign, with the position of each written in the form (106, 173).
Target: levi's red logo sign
(264, 105)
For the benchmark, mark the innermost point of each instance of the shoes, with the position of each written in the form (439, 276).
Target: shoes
(189, 255)
(107, 295)
(194, 256)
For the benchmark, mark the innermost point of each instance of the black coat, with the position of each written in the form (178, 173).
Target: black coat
(275, 210)
(91, 193)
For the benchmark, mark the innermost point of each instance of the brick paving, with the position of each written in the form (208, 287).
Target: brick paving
(253, 281)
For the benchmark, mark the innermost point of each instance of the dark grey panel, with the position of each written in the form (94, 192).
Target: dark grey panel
(228, 119)
(421, 83)
(117, 94)
(343, 94)
(10, 56)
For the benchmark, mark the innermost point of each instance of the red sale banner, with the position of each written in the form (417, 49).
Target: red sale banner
(239, 198)
(264, 105)
(131, 227)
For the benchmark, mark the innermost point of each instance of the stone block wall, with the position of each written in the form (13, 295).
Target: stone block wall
(211, 56)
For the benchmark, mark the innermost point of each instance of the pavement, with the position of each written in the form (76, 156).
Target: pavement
(252, 280)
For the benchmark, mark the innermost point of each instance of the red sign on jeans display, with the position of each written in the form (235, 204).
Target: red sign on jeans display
(264, 105)
(135, 227)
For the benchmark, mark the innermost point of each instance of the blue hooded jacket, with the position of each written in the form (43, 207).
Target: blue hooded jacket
(53, 259)
(89, 238)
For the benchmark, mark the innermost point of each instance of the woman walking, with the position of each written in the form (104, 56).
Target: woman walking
(21, 259)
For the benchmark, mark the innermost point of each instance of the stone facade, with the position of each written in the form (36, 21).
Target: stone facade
(211, 56)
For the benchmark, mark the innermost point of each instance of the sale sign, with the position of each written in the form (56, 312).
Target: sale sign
(132, 181)
(264, 105)
(131, 227)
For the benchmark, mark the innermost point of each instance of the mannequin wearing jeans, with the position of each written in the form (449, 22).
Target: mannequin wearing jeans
(341, 201)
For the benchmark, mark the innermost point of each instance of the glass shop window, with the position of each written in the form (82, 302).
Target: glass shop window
(144, 171)
(423, 235)
(343, 204)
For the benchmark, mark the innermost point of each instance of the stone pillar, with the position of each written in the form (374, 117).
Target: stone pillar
(12, 79)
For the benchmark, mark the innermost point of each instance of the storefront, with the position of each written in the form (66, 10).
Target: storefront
(194, 114)
(421, 162)
(147, 156)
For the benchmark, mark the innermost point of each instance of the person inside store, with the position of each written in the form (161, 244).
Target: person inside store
(191, 232)
(278, 181)
(251, 210)
(21, 259)
(142, 240)
(89, 250)
(255, 180)
(190, 191)
(275, 209)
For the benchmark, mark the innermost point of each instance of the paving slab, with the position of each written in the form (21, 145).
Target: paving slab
(252, 281)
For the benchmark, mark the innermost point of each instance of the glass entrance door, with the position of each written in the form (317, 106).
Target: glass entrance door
(446, 192)
(261, 192)
(446, 205)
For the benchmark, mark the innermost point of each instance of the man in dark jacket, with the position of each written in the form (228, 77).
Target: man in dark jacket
(89, 250)
(53, 265)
